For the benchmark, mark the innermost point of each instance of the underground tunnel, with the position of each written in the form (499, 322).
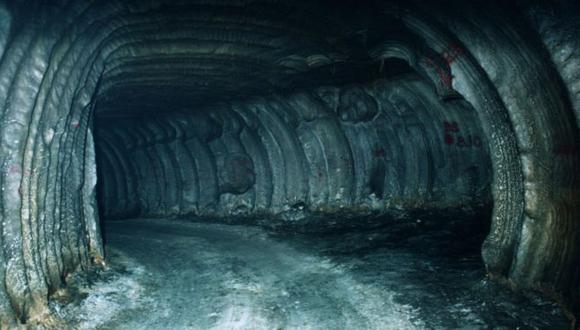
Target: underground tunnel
(258, 164)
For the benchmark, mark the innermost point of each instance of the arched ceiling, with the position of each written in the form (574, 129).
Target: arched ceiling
(61, 59)
(190, 55)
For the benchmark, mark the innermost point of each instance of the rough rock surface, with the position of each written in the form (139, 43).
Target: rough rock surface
(65, 63)
(289, 157)
(180, 275)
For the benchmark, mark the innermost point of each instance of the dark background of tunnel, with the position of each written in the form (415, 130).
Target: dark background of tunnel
(297, 131)
(314, 161)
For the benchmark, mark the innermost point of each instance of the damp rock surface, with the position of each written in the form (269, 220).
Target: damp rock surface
(272, 108)
(168, 274)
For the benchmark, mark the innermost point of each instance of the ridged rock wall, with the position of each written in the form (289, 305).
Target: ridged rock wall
(63, 63)
(542, 117)
(390, 148)
(559, 30)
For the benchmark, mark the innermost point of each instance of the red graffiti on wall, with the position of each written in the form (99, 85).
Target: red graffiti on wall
(445, 77)
(449, 139)
(450, 127)
(450, 55)
(452, 138)
(14, 169)
(567, 150)
(379, 152)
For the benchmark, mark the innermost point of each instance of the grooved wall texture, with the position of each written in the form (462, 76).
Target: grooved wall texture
(390, 148)
(215, 107)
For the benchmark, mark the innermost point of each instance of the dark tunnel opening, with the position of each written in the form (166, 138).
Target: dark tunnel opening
(376, 158)
(387, 148)
(379, 161)
(258, 164)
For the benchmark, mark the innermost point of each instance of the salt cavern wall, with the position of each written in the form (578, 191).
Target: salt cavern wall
(284, 89)
(364, 150)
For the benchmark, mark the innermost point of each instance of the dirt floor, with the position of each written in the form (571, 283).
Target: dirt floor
(170, 274)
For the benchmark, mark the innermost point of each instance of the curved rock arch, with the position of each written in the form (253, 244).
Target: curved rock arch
(54, 72)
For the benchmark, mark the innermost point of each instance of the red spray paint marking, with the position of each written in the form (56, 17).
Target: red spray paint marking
(444, 76)
(450, 127)
(14, 169)
(449, 140)
(567, 151)
(452, 54)
(449, 55)
(379, 152)
(451, 137)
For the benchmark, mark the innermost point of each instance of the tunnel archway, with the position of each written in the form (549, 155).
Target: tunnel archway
(55, 72)
(331, 151)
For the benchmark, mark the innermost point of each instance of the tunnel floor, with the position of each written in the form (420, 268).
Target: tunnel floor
(174, 274)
